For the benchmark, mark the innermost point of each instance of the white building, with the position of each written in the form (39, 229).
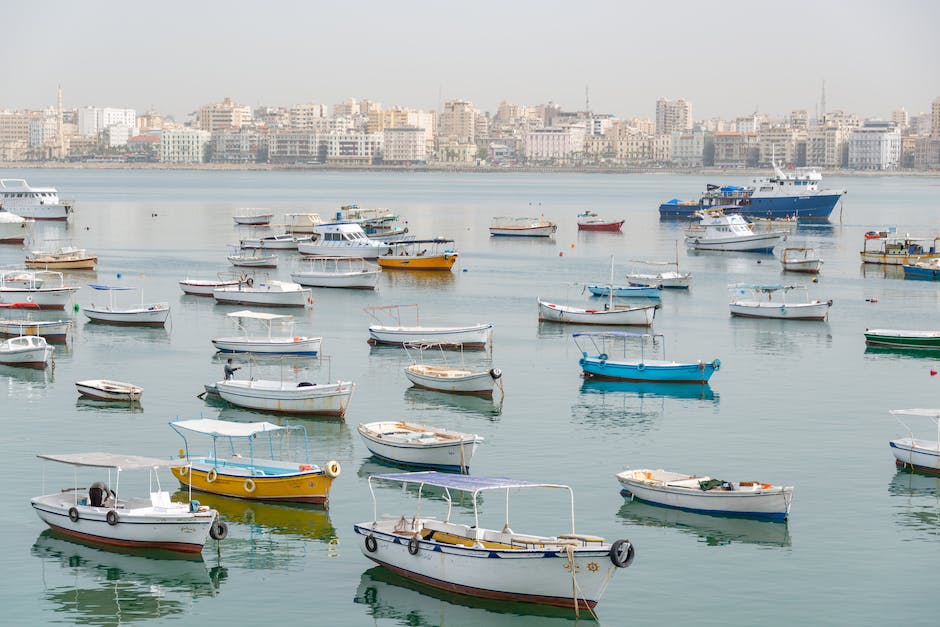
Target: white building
(555, 144)
(184, 145)
(404, 145)
(93, 120)
(306, 117)
(672, 117)
(875, 146)
(351, 148)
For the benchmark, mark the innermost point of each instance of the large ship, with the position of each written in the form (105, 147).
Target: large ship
(784, 195)
(37, 203)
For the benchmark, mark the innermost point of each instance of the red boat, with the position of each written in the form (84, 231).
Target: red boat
(590, 221)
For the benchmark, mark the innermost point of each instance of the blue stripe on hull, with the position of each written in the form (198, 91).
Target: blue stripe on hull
(397, 462)
(653, 374)
(713, 512)
(805, 208)
(310, 353)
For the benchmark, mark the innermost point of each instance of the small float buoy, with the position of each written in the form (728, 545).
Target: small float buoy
(815, 279)
(758, 261)
(119, 275)
(572, 244)
(873, 299)
(464, 270)
(75, 306)
(933, 373)
(561, 253)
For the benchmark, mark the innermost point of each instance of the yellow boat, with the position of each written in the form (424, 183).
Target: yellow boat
(248, 477)
(422, 254)
(67, 258)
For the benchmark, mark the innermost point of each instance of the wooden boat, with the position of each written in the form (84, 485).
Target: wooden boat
(253, 260)
(105, 390)
(590, 221)
(891, 249)
(916, 453)
(569, 570)
(801, 260)
(421, 254)
(345, 272)
(453, 380)
(599, 359)
(267, 293)
(242, 475)
(469, 336)
(52, 330)
(65, 258)
(281, 241)
(12, 228)
(139, 314)
(729, 232)
(47, 289)
(761, 303)
(204, 287)
(283, 343)
(253, 217)
(415, 445)
(927, 270)
(672, 279)
(522, 227)
(288, 397)
(97, 515)
(30, 351)
(621, 315)
(898, 338)
(705, 494)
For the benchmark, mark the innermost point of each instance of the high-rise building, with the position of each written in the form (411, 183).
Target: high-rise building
(306, 117)
(673, 117)
(457, 121)
(875, 146)
(935, 118)
(900, 119)
(93, 120)
(223, 115)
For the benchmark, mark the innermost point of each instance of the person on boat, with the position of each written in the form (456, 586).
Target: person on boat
(99, 495)
(230, 369)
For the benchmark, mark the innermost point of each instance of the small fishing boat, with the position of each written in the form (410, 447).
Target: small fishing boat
(96, 514)
(12, 228)
(706, 494)
(282, 343)
(253, 259)
(915, 453)
(928, 270)
(569, 570)
(30, 351)
(65, 258)
(445, 378)
(437, 254)
(252, 217)
(604, 356)
(761, 303)
(281, 241)
(345, 272)
(522, 227)
(267, 293)
(621, 315)
(105, 390)
(286, 396)
(52, 330)
(805, 260)
(139, 314)
(204, 287)
(47, 289)
(729, 232)
(672, 279)
(899, 338)
(469, 336)
(241, 474)
(302, 222)
(891, 249)
(409, 444)
(590, 221)
(626, 291)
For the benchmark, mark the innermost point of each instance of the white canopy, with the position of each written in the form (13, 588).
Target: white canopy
(114, 460)
(257, 315)
(212, 427)
(930, 413)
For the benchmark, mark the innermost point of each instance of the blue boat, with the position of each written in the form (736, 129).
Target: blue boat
(626, 291)
(924, 270)
(596, 361)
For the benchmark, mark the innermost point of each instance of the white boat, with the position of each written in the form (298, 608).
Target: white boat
(801, 260)
(302, 222)
(253, 217)
(52, 330)
(410, 444)
(97, 515)
(12, 228)
(673, 279)
(268, 293)
(346, 272)
(138, 314)
(44, 288)
(569, 570)
(288, 397)
(344, 239)
(281, 241)
(916, 453)
(757, 301)
(204, 287)
(31, 351)
(37, 203)
(253, 259)
(522, 227)
(629, 315)
(282, 343)
(472, 336)
(105, 390)
(706, 494)
(718, 230)
(446, 378)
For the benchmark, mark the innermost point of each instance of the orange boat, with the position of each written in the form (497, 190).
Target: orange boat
(421, 254)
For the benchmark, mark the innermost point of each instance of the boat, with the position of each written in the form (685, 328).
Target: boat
(783, 195)
(36, 203)
(30, 351)
(671, 279)
(302, 222)
(12, 228)
(626, 291)
(445, 378)
(805, 260)
(601, 362)
(705, 494)
(344, 239)
(253, 217)
(281, 241)
(761, 303)
(916, 453)
(105, 390)
(377, 223)
(288, 397)
(590, 221)
(52, 330)
(204, 287)
(522, 227)
(45, 288)
(285, 343)
(64, 258)
(421, 446)
(722, 231)
(138, 314)
(345, 272)
(268, 293)
(897, 338)
(421, 254)
(96, 514)
(927, 270)
(254, 259)
(469, 336)
(569, 570)
(891, 249)
(243, 475)
(625, 315)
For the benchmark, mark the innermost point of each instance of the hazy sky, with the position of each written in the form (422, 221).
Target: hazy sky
(726, 57)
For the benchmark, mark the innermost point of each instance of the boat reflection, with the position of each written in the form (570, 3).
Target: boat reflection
(420, 400)
(907, 482)
(25, 382)
(897, 352)
(398, 279)
(698, 391)
(881, 271)
(779, 337)
(917, 506)
(393, 597)
(85, 404)
(116, 336)
(712, 530)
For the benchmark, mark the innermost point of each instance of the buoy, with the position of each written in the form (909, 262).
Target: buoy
(873, 299)
(464, 270)
(815, 279)
(561, 253)
(758, 261)
(75, 306)
(572, 244)
(933, 373)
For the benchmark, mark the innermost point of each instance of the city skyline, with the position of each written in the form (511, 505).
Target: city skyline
(729, 61)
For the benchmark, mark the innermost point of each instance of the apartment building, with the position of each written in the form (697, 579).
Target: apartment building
(184, 145)
(223, 115)
(673, 116)
(875, 146)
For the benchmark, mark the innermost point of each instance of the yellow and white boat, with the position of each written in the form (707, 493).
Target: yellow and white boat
(248, 477)
(421, 254)
(65, 258)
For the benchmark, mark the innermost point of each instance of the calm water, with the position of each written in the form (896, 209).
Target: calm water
(798, 403)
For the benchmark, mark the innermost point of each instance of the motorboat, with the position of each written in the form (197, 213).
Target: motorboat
(254, 259)
(522, 227)
(36, 203)
(599, 359)
(468, 336)
(757, 301)
(248, 216)
(916, 453)
(421, 446)
(891, 249)
(437, 254)
(30, 351)
(267, 293)
(286, 396)
(204, 287)
(610, 314)
(722, 231)
(52, 330)
(805, 260)
(282, 343)
(706, 494)
(672, 279)
(138, 314)
(96, 514)
(344, 239)
(445, 378)
(570, 570)
(345, 272)
(105, 390)
(590, 221)
(281, 241)
(47, 289)
(243, 475)
(12, 228)
(927, 270)
(302, 222)
(902, 338)
(64, 258)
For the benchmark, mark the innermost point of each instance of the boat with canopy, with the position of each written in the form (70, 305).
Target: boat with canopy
(282, 342)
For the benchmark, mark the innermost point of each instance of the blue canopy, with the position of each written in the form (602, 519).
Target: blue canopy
(673, 201)
(463, 483)
(107, 287)
(731, 188)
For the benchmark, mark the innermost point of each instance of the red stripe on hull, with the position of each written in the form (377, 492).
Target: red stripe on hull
(920, 469)
(613, 226)
(25, 364)
(181, 547)
(127, 324)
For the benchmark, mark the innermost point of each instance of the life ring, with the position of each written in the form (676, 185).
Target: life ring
(112, 517)
(641, 367)
(413, 545)
(218, 530)
(496, 373)
(73, 514)
(622, 553)
(212, 475)
(332, 469)
(249, 281)
(184, 470)
(872, 235)
(250, 485)
(371, 544)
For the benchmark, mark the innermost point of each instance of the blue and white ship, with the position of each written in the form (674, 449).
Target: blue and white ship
(784, 195)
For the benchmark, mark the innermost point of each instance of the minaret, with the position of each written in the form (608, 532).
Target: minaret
(59, 139)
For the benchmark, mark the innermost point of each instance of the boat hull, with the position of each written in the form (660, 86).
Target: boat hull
(613, 225)
(53, 331)
(624, 291)
(475, 336)
(263, 297)
(291, 486)
(900, 259)
(273, 396)
(773, 503)
(338, 249)
(817, 310)
(28, 358)
(452, 456)
(809, 266)
(155, 317)
(665, 280)
(903, 339)
(476, 383)
(756, 243)
(266, 261)
(269, 346)
(364, 280)
(256, 220)
(44, 298)
(621, 316)
(918, 272)
(204, 288)
(51, 212)
(921, 455)
(41, 263)
(535, 231)
(439, 263)
(109, 390)
(654, 371)
(816, 207)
